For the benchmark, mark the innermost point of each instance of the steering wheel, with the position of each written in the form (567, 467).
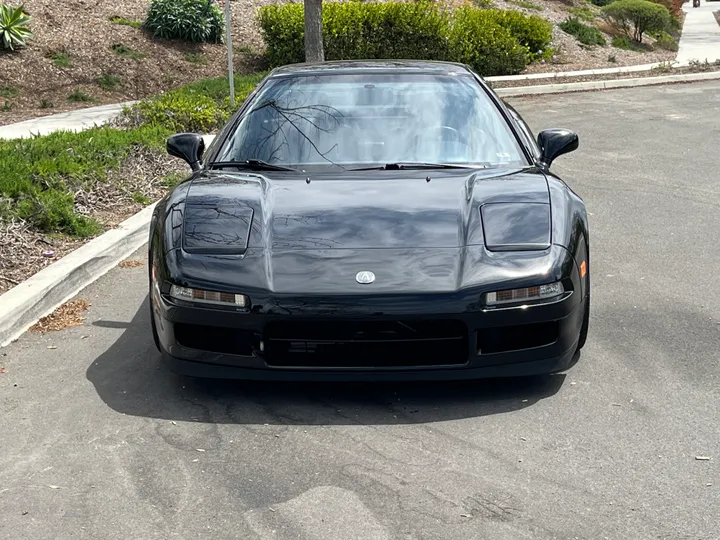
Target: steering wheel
(455, 134)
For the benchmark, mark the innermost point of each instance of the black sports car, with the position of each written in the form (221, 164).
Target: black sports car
(357, 220)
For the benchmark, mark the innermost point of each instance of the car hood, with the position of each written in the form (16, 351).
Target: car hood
(228, 212)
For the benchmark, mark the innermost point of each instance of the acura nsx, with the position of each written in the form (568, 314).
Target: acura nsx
(367, 220)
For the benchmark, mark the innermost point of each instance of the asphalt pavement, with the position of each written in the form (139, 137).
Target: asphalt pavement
(99, 441)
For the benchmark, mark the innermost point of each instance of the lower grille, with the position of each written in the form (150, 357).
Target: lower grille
(366, 344)
(516, 338)
(215, 339)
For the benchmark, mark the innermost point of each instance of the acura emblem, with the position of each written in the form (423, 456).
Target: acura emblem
(365, 277)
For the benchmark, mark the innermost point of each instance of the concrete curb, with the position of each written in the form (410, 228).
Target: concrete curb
(604, 85)
(38, 296)
(41, 294)
(582, 72)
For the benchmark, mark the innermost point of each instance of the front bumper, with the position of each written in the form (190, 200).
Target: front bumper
(215, 343)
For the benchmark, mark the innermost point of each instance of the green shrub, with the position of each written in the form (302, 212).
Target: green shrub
(8, 92)
(663, 40)
(202, 107)
(492, 41)
(41, 185)
(14, 26)
(587, 35)
(197, 21)
(601, 3)
(532, 31)
(636, 17)
(488, 48)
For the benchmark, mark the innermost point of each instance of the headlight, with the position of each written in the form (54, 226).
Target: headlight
(527, 294)
(209, 297)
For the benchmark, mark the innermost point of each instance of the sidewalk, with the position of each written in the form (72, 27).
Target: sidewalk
(67, 121)
(700, 38)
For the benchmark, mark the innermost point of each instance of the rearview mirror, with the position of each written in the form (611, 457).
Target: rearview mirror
(188, 147)
(556, 142)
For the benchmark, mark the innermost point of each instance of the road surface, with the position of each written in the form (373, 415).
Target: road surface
(99, 441)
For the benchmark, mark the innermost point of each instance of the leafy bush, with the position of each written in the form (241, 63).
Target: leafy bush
(202, 107)
(492, 41)
(636, 17)
(41, 185)
(663, 40)
(489, 48)
(532, 31)
(14, 26)
(197, 21)
(588, 35)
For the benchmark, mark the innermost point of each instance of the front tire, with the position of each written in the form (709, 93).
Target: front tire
(155, 335)
(585, 324)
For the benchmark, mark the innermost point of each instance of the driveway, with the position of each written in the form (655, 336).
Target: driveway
(99, 441)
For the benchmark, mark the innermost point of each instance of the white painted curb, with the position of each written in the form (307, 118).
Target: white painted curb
(23, 305)
(603, 85)
(38, 296)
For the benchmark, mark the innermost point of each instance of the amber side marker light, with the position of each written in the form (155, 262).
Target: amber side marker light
(583, 269)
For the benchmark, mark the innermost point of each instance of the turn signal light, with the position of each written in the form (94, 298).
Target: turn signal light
(209, 297)
(526, 294)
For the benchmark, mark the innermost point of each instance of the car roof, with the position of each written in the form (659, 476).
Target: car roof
(371, 66)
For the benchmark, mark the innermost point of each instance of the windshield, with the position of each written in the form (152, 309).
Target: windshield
(366, 119)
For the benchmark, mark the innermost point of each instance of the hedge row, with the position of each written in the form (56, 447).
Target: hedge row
(491, 41)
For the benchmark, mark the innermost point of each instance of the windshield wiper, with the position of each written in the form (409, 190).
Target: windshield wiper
(255, 164)
(404, 165)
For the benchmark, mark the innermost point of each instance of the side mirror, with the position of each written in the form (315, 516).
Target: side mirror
(556, 142)
(187, 146)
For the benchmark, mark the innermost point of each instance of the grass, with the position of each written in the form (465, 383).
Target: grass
(126, 52)
(61, 60)
(40, 186)
(7, 107)
(117, 19)
(80, 97)
(8, 92)
(108, 82)
(45, 104)
(585, 34)
(525, 4)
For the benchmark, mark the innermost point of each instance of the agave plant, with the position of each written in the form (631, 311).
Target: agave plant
(14, 29)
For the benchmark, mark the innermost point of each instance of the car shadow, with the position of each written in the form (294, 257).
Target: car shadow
(131, 378)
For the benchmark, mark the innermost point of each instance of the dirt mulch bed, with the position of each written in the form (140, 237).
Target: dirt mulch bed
(24, 251)
(659, 72)
(39, 84)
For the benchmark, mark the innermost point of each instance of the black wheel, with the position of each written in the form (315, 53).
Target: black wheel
(156, 337)
(585, 324)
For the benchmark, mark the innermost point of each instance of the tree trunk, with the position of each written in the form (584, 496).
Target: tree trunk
(314, 51)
